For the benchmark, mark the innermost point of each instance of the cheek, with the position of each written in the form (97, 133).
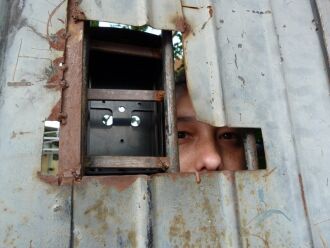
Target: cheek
(186, 157)
(234, 159)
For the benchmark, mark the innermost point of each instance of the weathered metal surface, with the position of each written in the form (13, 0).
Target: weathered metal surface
(4, 26)
(190, 214)
(160, 14)
(171, 135)
(264, 66)
(33, 213)
(249, 64)
(323, 8)
(128, 161)
(125, 95)
(70, 155)
(111, 212)
(165, 210)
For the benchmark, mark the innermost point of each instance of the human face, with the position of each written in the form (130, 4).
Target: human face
(203, 147)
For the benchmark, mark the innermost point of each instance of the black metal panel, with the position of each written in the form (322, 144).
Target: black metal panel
(112, 132)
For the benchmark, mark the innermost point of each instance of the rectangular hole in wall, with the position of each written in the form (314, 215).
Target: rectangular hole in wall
(124, 110)
(50, 148)
(254, 149)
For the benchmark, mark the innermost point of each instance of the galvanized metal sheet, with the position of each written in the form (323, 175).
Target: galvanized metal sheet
(323, 8)
(166, 210)
(264, 66)
(111, 212)
(190, 214)
(160, 14)
(33, 213)
(249, 64)
(225, 209)
(268, 216)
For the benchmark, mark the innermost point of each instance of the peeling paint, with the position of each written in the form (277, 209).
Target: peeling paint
(57, 41)
(56, 110)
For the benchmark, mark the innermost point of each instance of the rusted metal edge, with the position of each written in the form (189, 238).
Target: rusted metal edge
(126, 49)
(125, 95)
(76, 13)
(128, 162)
(70, 155)
(169, 102)
(69, 178)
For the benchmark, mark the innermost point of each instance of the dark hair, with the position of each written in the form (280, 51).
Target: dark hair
(180, 77)
(180, 82)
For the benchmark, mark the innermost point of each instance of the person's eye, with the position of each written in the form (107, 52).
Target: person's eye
(228, 136)
(182, 134)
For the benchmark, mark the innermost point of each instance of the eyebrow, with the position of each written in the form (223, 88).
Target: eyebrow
(186, 119)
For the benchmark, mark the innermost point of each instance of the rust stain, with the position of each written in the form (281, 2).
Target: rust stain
(56, 74)
(159, 95)
(57, 62)
(77, 13)
(100, 211)
(180, 23)
(210, 230)
(76, 241)
(264, 240)
(132, 238)
(230, 175)
(269, 172)
(198, 178)
(178, 232)
(303, 195)
(174, 176)
(188, 30)
(70, 157)
(55, 180)
(55, 112)
(120, 183)
(56, 41)
(210, 10)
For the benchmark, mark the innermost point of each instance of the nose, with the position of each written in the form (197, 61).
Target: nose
(208, 156)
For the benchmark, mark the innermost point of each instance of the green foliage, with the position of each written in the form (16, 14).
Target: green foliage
(177, 45)
(94, 24)
(139, 28)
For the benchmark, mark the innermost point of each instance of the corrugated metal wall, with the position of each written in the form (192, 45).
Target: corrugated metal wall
(33, 213)
(249, 64)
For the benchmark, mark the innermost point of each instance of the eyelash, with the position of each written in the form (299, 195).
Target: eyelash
(228, 136)
(180, 133)
(222, 136)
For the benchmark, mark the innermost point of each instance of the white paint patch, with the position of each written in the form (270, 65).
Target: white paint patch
(55, 124)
